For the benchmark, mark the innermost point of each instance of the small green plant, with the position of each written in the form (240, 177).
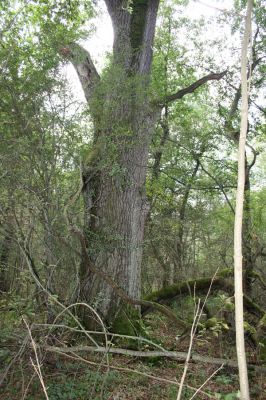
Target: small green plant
(224, 379)
(92, 385)
(186, 394)
(228, 396)
(213, 325)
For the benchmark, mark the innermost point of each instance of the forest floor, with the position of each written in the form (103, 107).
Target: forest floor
(69, 379)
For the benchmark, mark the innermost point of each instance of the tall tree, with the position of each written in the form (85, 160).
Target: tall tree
(124, 116)
(240, 343)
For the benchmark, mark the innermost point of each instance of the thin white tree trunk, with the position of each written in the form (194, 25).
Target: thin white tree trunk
(239, 320)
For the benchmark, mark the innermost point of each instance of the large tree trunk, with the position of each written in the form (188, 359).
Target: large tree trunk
(114, 177)
(115, 223)
(115, 170)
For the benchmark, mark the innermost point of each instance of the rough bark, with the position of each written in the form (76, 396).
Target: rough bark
(114, 171)
(114, 175)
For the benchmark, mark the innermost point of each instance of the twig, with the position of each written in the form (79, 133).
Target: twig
(197, 317)
(207, 380)
(37, 366)
(137, 338)
(52, 297)
(19, 353)
(192, 335)
(27, 387)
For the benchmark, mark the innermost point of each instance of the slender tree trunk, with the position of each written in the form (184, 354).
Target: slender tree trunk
(182, 215)
(248, 251)
(6, 274)
(4, 255)
(159, 153)
(239, 318)
(248, 260)
(50, 260)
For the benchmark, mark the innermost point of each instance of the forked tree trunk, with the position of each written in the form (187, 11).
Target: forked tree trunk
(114, 176)
(115, 170)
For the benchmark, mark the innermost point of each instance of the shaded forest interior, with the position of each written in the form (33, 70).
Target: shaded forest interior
(117, 200)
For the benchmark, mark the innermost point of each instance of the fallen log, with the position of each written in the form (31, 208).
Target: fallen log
(201, 285)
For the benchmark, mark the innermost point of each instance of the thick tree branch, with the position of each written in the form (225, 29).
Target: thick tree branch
(191, 88)
(123, 14)
(84, 66)
(145, 46)
(114, 8)
(113, 5)
(133, 33)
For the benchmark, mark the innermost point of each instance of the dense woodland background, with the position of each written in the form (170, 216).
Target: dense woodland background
(127, 197)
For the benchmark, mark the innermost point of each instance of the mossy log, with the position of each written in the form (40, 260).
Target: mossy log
(168, 294)
(201, 285)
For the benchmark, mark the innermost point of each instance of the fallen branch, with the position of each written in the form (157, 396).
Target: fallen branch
(37, 366)
(175, 355)
(76, 357)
